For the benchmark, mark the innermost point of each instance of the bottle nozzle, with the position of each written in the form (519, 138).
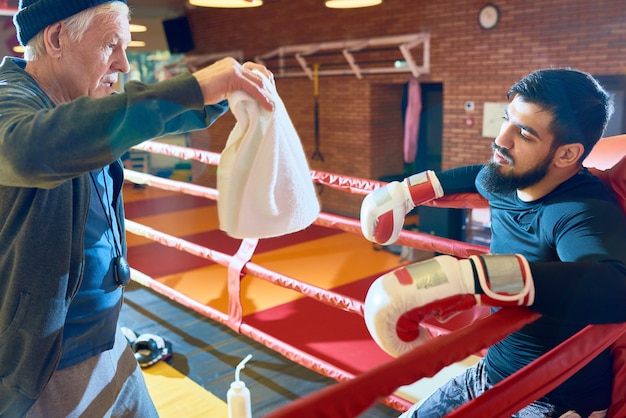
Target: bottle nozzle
(241, 365)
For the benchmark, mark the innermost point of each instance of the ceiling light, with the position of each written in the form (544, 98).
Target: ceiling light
(351, 4)
(228, 4)
(137, 28)
(7, 11)
(19, 49)
(137, 44)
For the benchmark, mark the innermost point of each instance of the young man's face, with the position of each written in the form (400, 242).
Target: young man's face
(522, 151)
(93, 63)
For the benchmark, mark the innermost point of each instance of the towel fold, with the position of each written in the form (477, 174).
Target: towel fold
(263, 177)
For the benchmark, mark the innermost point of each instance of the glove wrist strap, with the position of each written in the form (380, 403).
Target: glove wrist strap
(503, 278)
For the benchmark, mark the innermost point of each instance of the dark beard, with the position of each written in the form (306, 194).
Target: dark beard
(504, 183)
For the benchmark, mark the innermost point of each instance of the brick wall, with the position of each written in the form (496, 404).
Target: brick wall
(360, 121)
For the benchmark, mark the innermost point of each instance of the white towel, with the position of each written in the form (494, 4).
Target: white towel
(263, 178)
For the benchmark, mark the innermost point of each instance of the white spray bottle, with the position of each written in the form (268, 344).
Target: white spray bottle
(238, 396)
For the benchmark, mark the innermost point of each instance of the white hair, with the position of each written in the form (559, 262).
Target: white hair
(76, 26)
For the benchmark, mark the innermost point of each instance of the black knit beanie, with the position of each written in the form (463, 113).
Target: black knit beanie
(35, 15)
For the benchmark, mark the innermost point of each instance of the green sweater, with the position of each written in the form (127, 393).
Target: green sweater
(46, 152)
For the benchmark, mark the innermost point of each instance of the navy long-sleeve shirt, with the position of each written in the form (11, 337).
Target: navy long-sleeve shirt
(574, 241)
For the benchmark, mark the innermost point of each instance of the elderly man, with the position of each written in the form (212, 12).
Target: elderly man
(62, 240)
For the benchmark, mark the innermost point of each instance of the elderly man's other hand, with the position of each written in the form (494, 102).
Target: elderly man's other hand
(226, 75)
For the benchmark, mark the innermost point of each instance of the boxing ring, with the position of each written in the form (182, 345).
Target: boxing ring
(353, 394)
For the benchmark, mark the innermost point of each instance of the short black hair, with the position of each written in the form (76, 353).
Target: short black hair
(580, 106)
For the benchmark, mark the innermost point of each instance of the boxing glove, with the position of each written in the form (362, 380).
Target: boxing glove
(440, 287)
(383, 210)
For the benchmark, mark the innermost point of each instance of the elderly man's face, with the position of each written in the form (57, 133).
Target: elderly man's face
(92, 64)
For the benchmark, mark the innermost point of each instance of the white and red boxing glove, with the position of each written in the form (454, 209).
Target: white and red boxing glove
(383, 210)
(398, 301)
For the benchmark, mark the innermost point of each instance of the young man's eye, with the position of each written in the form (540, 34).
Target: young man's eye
(525, 135)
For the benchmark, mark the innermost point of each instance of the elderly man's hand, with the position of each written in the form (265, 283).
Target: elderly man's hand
(226, 75)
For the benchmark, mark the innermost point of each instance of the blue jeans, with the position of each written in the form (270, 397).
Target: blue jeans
(462, 389)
